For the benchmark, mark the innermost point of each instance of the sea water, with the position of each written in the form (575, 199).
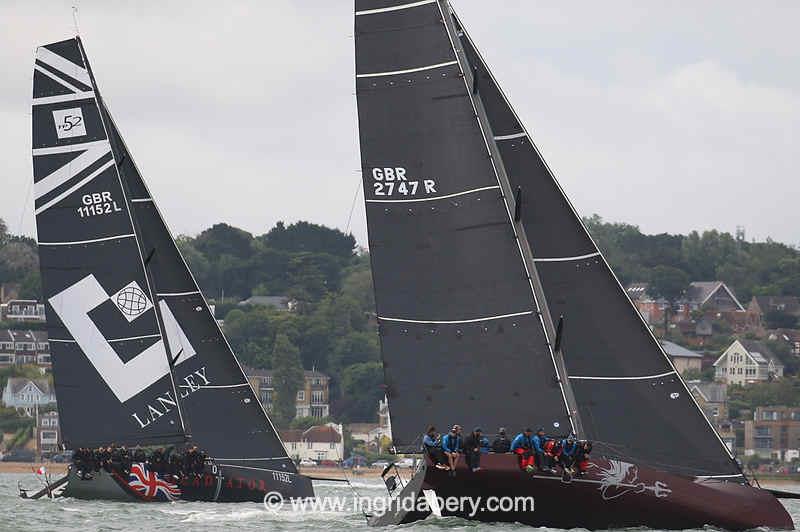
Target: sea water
(76, 515)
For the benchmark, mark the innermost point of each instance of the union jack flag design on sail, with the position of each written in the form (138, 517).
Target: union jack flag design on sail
(150, 486)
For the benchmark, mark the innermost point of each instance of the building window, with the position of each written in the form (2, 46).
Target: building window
(762, 431)
(715, 412)
(309, 445)
(317, 397)
(764, 443)
(333, 445)
(301, 395)
(294, 445)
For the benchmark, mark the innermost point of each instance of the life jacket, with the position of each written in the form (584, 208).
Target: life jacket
(549, 446)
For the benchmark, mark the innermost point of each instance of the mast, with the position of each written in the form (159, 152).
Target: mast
(516, 221)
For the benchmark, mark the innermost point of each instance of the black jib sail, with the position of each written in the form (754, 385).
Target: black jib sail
(461, 329)
(630, 398)
(137, 355)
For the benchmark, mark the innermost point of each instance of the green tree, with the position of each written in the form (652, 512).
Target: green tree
(308, 237)
(669, 283)
(287, 377)
(362, 388)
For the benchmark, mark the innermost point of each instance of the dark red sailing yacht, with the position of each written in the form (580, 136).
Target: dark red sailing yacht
(138, 358)
(496, 308)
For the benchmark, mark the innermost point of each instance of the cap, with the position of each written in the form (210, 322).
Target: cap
(501, 430)
(477, 429)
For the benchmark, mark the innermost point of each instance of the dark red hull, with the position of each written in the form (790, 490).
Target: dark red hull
(611, 494)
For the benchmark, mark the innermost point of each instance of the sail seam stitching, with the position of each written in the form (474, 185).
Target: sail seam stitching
(445, 322)
(432, 199)
(176, 294)
(406, 71)
(394, 8)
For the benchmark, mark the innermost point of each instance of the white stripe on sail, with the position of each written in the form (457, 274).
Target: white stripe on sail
(77, 242)
(566, 259)
(225, 386)
(70, 170)
(57, 79)
(130, 338)
(67, 148)
(44, 100)
(431, 199)
(445, 322)
(176, 294)
(75, 187)
(394, 8)
(407, 71)
(639, 378)
(509, 137)
(64, 65)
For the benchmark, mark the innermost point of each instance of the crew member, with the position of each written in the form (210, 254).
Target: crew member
(472, 449)
(522, 446)
(501, 444)
(432, 445)
(540, 458)
(569, 450)
(452, 444)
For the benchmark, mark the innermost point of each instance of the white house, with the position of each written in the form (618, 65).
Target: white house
(27, 394)
(320, 442)
(747, 361)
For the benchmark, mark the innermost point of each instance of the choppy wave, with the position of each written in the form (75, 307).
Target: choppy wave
(70, 514)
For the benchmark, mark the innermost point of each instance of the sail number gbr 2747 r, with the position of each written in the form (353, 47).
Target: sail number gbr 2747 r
(393, 181)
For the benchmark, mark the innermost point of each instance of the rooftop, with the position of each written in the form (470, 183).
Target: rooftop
(675, 350)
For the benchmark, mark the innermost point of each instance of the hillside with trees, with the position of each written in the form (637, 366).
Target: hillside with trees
(332, 326)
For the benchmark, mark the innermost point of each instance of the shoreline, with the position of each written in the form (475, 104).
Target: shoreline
(319, 473)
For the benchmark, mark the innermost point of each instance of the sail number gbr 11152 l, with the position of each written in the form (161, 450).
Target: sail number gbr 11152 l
(394, 181)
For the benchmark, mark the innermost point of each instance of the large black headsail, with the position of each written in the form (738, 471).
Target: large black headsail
(629, 396)
(138, 357)
(461, 334)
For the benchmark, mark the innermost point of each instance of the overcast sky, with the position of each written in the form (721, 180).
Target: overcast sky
(670, 115)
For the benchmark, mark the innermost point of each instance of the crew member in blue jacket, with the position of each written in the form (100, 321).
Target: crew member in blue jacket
(538, 441)
(522, 446)
(569, 450)
(452, 445)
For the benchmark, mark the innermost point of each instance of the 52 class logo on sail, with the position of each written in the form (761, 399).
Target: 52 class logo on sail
(394, 181)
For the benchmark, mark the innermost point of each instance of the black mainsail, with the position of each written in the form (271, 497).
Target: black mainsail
(475, 262)
(614, 362)
(462, 333)
(137, 355)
